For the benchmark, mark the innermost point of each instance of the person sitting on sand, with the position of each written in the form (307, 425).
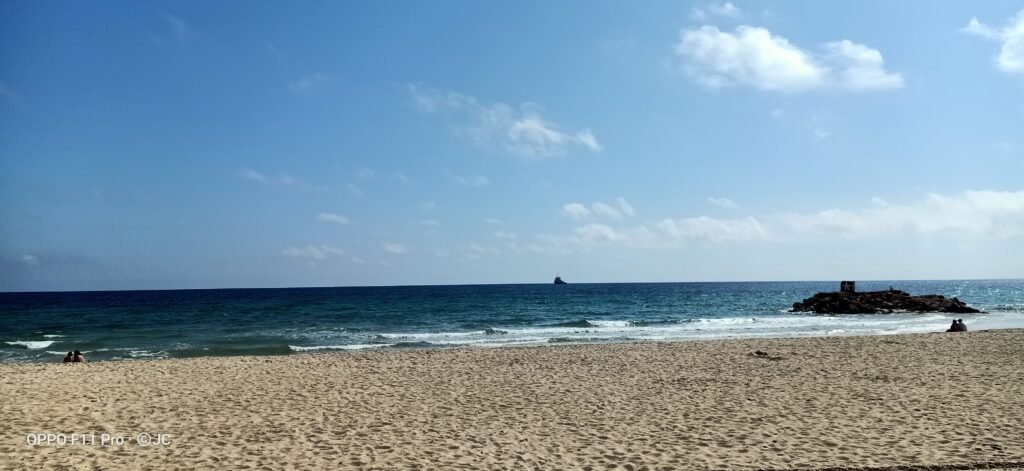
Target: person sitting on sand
(961, 327)
(70, 358)
(953, 327)
(79, 358)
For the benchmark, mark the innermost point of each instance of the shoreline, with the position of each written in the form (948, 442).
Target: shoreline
(920, 401)
(384, 348)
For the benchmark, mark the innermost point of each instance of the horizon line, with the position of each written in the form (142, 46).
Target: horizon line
(248, 288)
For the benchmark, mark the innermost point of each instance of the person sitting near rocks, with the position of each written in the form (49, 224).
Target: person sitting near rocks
(961, 327)
(954, 327)
(70, 358)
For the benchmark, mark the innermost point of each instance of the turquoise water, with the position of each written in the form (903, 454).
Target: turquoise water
(122, 325)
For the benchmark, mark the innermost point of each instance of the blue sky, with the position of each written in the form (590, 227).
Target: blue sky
(213, 144)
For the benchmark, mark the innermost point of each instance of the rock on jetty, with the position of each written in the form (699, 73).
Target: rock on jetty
(848, 301)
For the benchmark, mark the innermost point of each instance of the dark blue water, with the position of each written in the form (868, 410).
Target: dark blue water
(156, 324)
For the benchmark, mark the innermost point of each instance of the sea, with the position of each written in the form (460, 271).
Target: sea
(134, 325)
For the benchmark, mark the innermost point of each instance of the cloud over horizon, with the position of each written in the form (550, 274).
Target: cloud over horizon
(980, 215)
(972, 214)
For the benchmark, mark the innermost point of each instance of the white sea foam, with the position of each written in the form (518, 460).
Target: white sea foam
(489, 340)
(146, 354)
(610, 323)
(53, 336)
(614, 330)
(619, 330)
(421, 336)
(32, 344)
(314, 348)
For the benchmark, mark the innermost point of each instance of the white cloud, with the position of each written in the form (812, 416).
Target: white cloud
(331, 250)
(751, 56)
(821, 134)
(358, 260)
(603, 210)
(599, 234)
(308, 83)
(578, 211)
(394, 248)
(978, 215)
(484, 249)
(530, 135)
(754, 57)
(277, 53)
(353, 190)
(1011, 51)
(429, 222)
(183, 33)
(522, 132)
(505, 235)
(727, 10)
(592, 235)
(859, 67)
(983, 30)
(282, 180)
(366, 173)
(332, 217)
(624, 206)
(494, 222)
(250, 174)
(29, 259)
(313, 252)
(472, 181)
(713, 229)
(723, 202)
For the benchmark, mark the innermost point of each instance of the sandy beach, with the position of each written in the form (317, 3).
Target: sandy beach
(923, 401)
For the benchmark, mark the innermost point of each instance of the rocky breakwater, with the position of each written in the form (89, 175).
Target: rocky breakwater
(879, 302)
